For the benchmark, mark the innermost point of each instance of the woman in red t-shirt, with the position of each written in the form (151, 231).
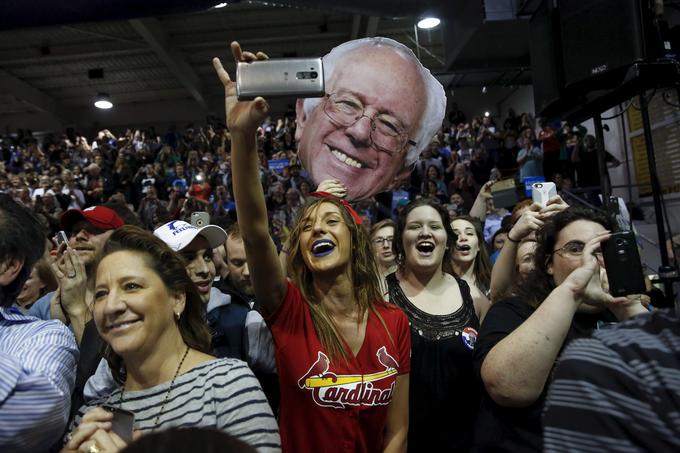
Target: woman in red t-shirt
(343, 354)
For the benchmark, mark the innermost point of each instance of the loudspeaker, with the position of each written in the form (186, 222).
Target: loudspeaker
(601, 39)
(579, 47)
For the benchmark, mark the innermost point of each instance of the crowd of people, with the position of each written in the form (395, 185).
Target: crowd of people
(206, 289)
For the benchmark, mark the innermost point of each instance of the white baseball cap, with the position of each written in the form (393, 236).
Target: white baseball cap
(179, 234)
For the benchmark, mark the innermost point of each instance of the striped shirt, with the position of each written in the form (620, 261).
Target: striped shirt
(37, 373)
(618, 390)
(221, 393)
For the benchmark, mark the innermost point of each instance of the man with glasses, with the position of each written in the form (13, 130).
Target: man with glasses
(382, 235)
(381, 110)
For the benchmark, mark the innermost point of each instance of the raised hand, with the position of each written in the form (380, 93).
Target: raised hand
(586, 282)
(244, 116)
(485, 190)
(553, 206)
(528, 222)
(70, 272)
(333, 187)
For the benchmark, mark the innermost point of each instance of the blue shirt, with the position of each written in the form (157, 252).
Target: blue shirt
(37, 373)
(41, 308)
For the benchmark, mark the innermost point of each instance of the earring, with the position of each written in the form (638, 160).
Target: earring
(400, 260)
(177, 316)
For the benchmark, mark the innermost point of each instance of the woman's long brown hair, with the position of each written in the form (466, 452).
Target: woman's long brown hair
(363, 273)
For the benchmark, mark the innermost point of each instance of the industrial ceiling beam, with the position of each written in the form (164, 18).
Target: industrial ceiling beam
(152, 32)
(36, 98)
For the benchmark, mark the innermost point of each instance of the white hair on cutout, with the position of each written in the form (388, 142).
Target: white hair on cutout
(435, 98)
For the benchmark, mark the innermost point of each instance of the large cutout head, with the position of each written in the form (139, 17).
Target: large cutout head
(381, 110)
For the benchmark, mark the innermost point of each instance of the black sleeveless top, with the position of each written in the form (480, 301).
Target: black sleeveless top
(444, 393)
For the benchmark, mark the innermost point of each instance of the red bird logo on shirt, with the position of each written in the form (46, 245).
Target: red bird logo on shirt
(318, 368)
(337, 391)
(385, 359)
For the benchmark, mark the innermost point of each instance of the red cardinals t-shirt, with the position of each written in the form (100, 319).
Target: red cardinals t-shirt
(338, 406)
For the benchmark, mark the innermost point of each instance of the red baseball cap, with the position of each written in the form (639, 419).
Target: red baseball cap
(98, 216)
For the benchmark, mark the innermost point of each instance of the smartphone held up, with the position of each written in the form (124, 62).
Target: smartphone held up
(60, 238)
(199, 219)
(623, 265)
(542, 192)
(283, 77)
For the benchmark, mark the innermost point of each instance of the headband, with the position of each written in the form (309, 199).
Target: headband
(344, 202)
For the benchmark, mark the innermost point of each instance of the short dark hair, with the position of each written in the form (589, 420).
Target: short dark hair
(21, 237)
(234, 232)
(501, 230)
(171, 269)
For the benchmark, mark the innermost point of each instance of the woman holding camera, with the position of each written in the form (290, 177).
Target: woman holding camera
(151, 318)
(523, 335)
(343, 354)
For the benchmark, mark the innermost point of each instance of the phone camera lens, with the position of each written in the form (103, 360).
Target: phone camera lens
(538, 186)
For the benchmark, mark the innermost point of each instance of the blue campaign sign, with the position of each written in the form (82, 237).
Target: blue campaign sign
(399, 198)
(278, 165)
(529, 180)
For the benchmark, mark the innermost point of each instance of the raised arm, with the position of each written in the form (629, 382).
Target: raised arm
(516, 370)
(70, 303)
(503, 273)
(478, 209)
(243, 119)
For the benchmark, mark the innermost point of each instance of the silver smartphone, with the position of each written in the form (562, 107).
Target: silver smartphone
(61, 238)
(200, 219)
(296, 77)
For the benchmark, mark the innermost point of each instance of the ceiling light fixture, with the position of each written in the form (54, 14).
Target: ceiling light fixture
(486, 114)
(103, 101)
(220, 5)
(484, 89)
(428, 22)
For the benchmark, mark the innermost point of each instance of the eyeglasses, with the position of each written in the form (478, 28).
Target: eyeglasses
(386, 133)
(573, 249)
(381, 241)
